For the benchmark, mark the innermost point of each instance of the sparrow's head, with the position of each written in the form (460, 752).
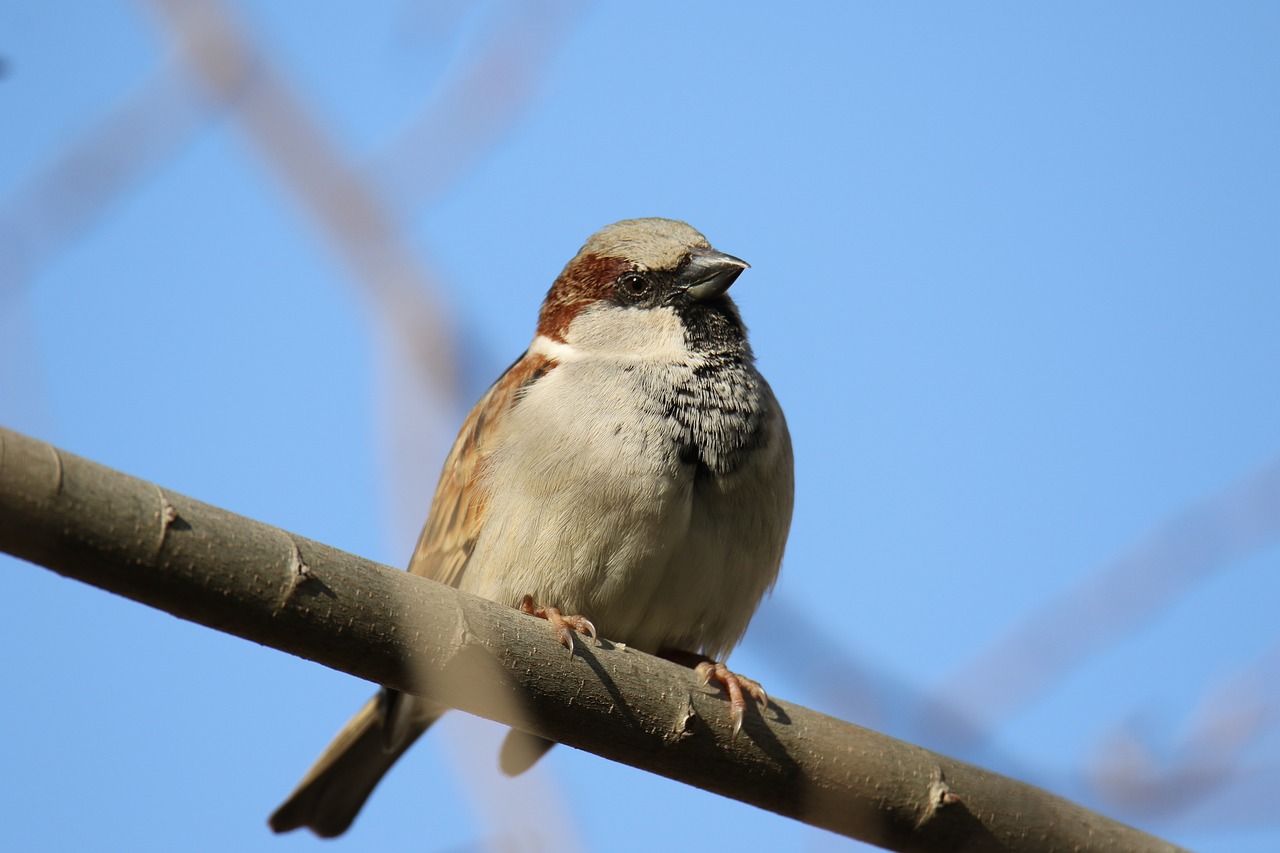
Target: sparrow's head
(645, 287)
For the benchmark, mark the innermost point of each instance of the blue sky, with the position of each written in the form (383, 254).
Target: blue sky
(1015, 279)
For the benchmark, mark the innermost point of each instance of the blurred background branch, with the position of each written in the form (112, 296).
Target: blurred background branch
(1114, 385)
(963, 715)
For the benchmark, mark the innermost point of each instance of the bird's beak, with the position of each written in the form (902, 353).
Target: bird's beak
(709, 273)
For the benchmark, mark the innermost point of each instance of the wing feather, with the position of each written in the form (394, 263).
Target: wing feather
(458, 508)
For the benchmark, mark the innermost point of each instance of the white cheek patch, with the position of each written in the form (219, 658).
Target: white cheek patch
(642, 334)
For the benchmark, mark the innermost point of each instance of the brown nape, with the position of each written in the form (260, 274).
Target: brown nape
(586, 279)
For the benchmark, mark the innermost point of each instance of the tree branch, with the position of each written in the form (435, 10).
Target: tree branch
(237, 575)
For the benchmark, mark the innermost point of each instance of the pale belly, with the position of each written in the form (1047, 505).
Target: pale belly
(616, 528)
(666, 567)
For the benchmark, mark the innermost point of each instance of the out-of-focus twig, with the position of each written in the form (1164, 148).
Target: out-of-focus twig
(340, 200)
(480, 103)
(462, 119)
(23, 401)
(1205, 538)
(1065, 631)
(413, 332)
(62, 199)
(852, 686)
(1216, 751)
(413, 336)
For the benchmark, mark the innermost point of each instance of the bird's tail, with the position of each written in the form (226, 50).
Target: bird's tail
(330, 796)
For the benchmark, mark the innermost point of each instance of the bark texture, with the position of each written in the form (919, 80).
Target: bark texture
(240, 576)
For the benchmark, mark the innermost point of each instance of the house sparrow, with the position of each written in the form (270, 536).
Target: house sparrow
(632, 466)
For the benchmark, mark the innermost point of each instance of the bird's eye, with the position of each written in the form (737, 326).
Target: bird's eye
(633, 284)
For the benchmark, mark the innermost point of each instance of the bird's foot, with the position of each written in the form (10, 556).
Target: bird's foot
(737, 686)
(565, 626)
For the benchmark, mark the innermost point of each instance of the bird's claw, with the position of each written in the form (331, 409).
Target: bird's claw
(565, 626)
(736, 686)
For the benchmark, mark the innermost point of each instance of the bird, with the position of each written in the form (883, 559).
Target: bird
(629, 476)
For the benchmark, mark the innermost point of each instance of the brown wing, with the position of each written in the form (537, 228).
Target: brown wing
(458, 508)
